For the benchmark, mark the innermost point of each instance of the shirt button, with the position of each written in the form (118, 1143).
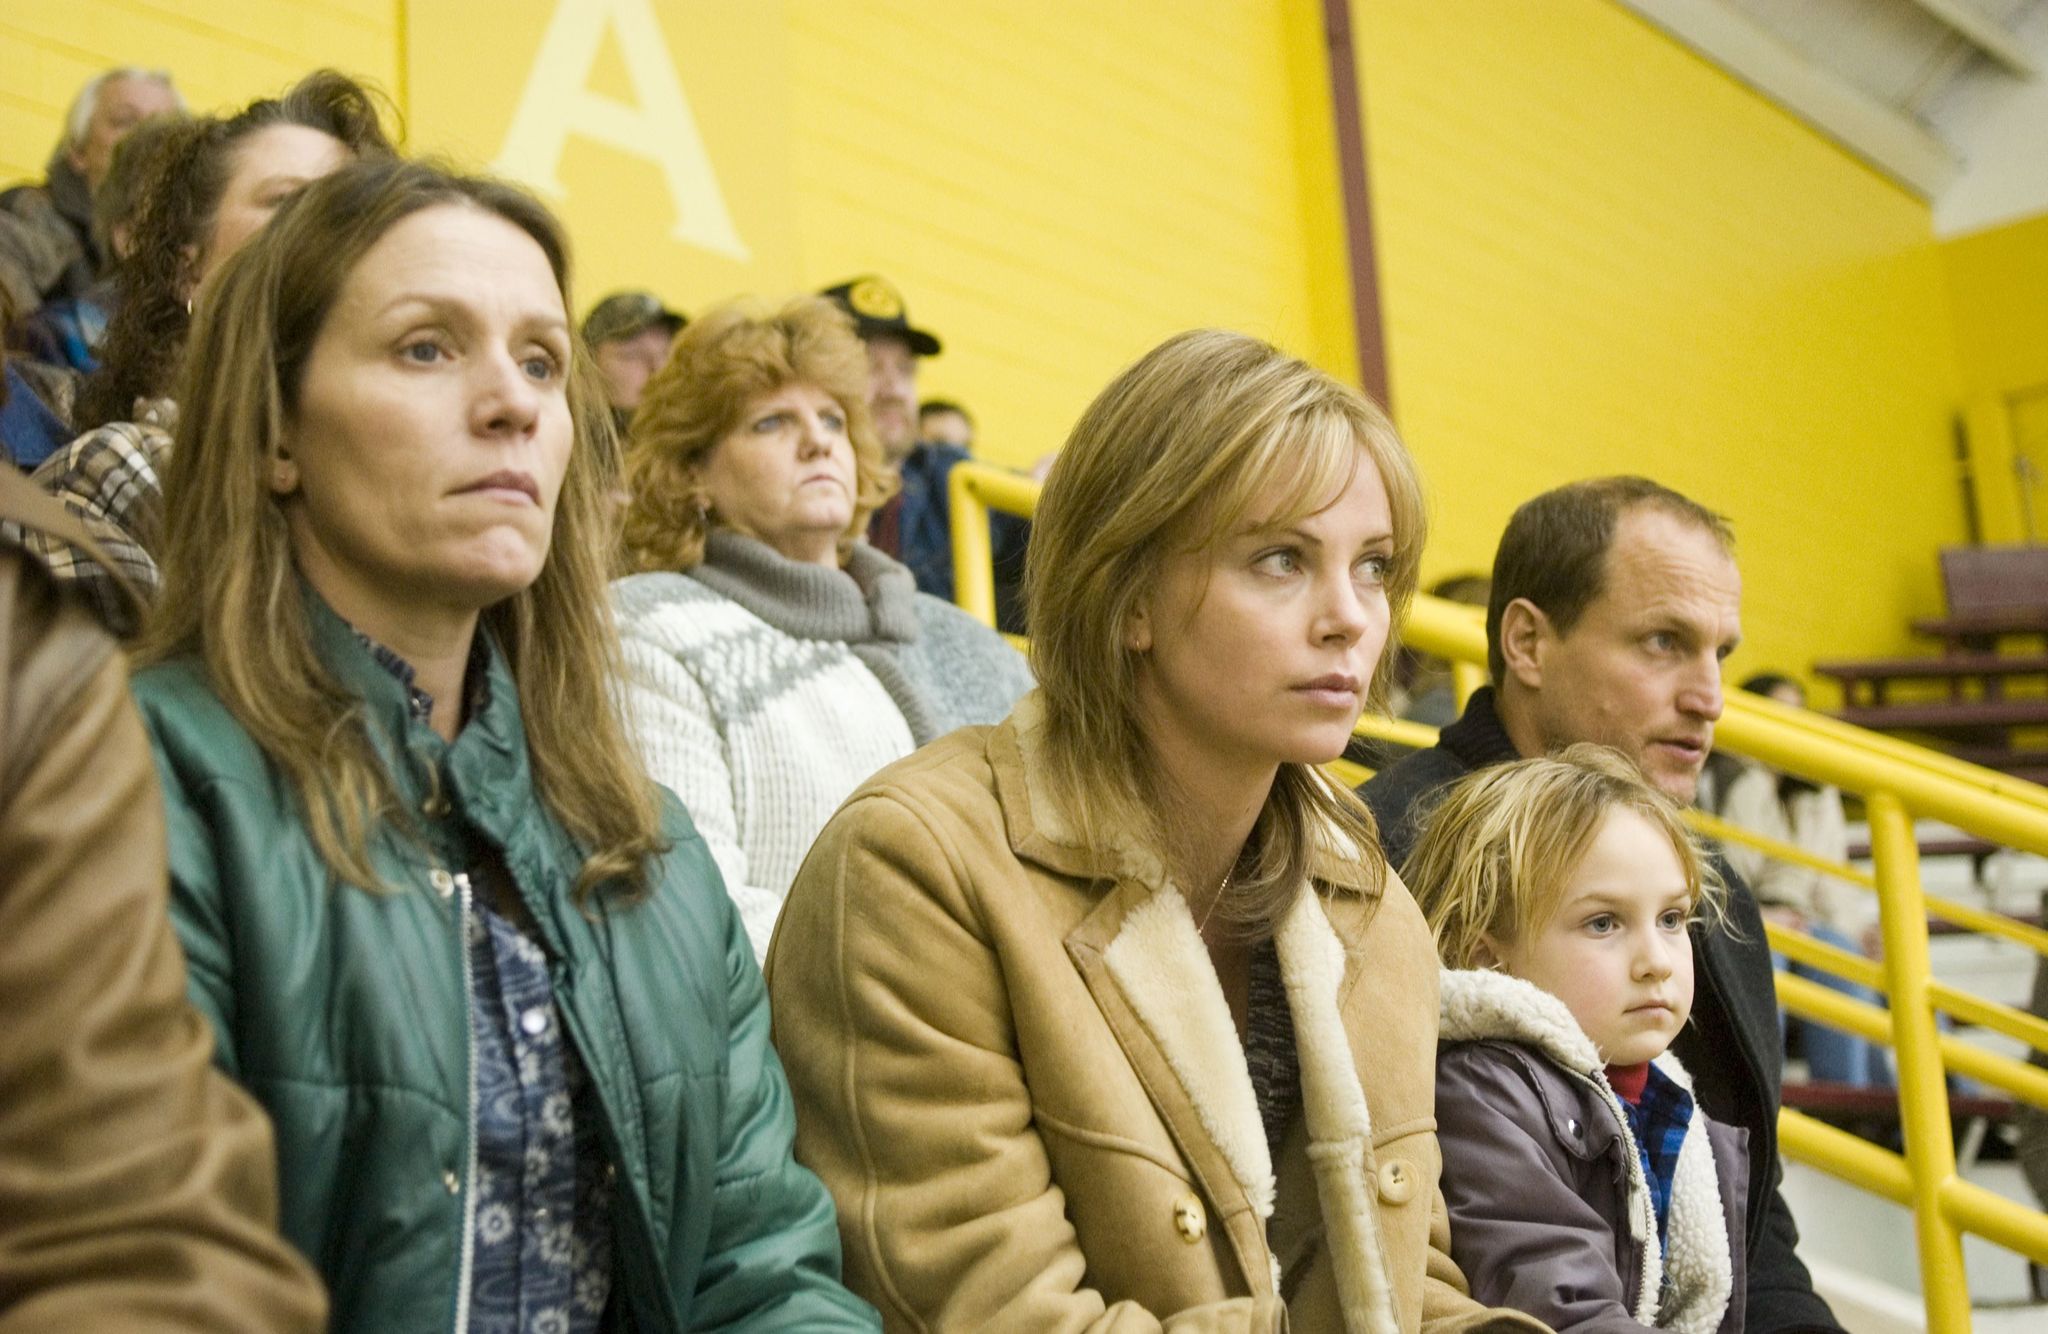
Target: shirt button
(452, 1182)
(1189, 1220)
(1397, 1181)
(534, 1021)
(443, 883)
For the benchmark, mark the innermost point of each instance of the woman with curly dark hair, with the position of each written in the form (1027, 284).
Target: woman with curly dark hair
(210, 187)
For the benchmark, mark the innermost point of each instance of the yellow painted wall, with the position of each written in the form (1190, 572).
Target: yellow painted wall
(1055, 187)
(1597, 252)
(1601, 254)
(1058, 186)
(1998, 282)
(222, 53)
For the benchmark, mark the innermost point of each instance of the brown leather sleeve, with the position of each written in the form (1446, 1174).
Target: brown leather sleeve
(137, 1184)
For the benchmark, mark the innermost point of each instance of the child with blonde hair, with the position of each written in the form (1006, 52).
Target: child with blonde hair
(1585, 1185)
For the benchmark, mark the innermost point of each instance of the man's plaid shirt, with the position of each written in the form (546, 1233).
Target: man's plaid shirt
(112, 479)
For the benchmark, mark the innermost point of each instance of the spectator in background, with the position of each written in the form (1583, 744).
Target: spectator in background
(944, 422)
(213, 185)
(1808, 816)
(629, 335)
(776, 659)
(475, 963)
(1614, 603)
(916, 525)
(47, 247)
(30, 431)
(138, 1185)
(67, 331)
(904, 525)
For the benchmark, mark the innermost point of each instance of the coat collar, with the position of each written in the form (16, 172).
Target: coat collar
(1479, 1004)
(1041, 831)
(484, 769)
(1142, 957)
(1479, 738)
(1687, 1290)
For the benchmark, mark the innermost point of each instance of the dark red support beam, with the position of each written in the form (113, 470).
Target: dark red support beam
(1348, 109)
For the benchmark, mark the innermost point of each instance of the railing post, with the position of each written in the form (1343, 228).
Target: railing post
(1466, 678)
(974, 563)
(1923, 1091)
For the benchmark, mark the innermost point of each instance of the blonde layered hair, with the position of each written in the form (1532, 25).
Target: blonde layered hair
(721, 363)
(1172, 457)
(1495, 853)
(231, 589)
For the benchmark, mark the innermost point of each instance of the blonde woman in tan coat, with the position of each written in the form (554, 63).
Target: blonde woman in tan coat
(1112, 1016)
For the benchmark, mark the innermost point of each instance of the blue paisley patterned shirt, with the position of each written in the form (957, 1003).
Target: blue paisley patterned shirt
(542, 1238)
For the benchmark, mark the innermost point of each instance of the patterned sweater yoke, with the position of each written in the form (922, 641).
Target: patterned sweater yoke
(763, 691)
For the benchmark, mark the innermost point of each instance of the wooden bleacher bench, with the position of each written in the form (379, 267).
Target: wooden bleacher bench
(1820, 1098)
(1981, 633)
(1961, 845)
(1869, 677)
(1992, 592)
(1953, 717)
(1938, 927)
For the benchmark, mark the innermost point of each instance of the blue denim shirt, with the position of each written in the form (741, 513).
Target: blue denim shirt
(542, 1239)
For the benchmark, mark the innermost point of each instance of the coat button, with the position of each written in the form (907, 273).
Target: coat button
(1189, 1219)
(1397, 1181)
(443, 883)
(452, 1182)
(434, 807)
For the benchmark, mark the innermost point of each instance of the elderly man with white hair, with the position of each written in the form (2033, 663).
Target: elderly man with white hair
(47, 248)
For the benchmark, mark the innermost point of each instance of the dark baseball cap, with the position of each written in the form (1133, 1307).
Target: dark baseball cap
(626, 315)
(877, 308)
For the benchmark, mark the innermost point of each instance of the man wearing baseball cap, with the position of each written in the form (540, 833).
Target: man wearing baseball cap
(916, 526)
(629, 334)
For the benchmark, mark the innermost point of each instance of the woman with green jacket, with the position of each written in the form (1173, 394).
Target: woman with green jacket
(479, 969)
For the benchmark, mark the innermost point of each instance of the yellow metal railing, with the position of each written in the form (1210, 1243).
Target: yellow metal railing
(1897, 782)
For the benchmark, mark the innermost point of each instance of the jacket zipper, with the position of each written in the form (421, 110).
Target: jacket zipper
(469, 1163)
(1639, 1218)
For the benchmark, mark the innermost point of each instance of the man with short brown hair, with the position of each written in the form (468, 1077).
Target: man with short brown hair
(1614, 602)
(629, 335)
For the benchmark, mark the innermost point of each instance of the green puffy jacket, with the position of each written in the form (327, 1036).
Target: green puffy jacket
(347, 1014)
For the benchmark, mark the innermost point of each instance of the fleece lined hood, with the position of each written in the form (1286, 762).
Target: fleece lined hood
(1687, 1290)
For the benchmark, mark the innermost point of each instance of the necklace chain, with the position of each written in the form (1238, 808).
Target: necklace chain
(1202, 927)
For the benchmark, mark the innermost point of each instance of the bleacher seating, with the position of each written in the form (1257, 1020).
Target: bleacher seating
(1997, 599)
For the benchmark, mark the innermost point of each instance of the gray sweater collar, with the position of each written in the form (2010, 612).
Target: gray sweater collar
(870, 600)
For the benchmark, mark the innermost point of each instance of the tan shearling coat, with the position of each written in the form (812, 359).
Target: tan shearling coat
(1015, 1069)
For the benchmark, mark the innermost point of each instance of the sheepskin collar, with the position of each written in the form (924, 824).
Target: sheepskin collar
(1041, 831)
(1143, 958)
(1687, 1290)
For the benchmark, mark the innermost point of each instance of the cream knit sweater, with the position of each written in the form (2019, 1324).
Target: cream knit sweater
(762, 692)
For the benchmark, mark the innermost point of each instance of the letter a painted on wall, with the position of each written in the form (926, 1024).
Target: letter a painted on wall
(557, 103)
